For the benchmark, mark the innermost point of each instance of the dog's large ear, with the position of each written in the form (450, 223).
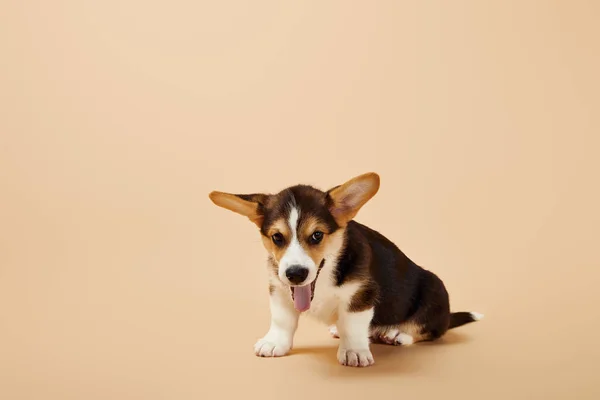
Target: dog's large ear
(248, 205)
(347, 199)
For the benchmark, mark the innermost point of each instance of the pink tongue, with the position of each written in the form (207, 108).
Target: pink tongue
(302, 298)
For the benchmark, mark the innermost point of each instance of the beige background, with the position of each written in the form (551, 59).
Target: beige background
(120, 280)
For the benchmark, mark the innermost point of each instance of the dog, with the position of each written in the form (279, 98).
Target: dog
(323, 263)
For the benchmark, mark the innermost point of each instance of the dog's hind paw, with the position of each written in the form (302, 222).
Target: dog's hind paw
(271, 348)
(334, 332)
(396, 338)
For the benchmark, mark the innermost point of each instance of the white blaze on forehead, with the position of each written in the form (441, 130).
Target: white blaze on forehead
(293, 221)
(295, 253)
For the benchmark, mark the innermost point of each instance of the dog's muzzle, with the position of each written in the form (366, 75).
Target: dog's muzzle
(303, 295)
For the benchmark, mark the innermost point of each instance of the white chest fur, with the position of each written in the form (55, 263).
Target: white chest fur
(325, 303)
(329, 298)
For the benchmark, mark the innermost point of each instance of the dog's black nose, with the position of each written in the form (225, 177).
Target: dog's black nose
(296, 274)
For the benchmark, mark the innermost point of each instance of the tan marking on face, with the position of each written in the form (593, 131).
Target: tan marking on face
(279, 226)
(328, 246)
(309, 226)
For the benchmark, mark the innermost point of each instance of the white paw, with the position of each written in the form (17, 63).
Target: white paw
(405, 339)
(391, 336)
(395, 337)
(267, 347)
(334, 332)
(355, 358)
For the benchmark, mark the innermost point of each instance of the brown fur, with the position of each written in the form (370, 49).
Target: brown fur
(364, 298)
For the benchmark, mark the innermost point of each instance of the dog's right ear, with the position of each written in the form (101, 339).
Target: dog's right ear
(248, 205)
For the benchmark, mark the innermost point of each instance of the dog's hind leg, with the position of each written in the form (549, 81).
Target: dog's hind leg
(404, 334)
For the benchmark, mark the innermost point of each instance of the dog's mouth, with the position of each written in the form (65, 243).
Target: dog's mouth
(303, 295)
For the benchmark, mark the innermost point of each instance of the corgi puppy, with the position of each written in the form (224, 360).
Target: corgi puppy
(324, 264)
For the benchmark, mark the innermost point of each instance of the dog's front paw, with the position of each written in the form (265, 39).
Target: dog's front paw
(268, 347)
(355, 358)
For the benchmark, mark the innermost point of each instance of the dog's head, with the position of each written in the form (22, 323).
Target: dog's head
(301, 225)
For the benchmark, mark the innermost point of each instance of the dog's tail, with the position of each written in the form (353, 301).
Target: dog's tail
(461, 318)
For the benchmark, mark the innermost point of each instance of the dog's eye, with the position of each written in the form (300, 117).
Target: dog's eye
(277, 239)
(316, 237)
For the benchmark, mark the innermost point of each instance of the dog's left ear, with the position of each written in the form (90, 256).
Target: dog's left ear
(248, 205)
(347, 199)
